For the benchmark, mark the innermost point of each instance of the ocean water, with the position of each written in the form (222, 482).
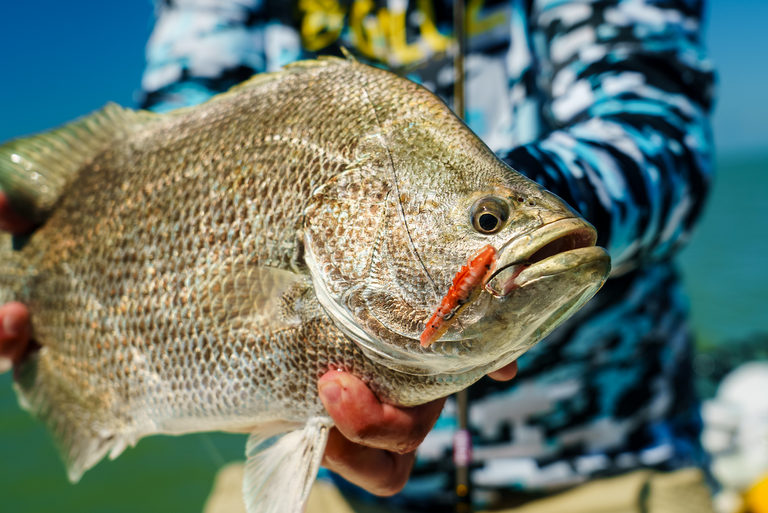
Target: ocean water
(726, 274)
(726, 263)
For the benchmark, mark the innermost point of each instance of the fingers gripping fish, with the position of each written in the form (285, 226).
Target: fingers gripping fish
(467, 286)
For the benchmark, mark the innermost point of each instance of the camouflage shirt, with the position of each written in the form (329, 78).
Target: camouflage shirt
(605, 103)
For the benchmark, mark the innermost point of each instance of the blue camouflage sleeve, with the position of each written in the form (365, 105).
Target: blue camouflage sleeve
(200, 48)
(628, 89)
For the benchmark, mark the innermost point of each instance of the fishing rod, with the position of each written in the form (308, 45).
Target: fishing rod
(462, 439)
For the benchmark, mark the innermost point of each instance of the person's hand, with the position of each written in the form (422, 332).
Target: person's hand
(10, 221)
(14, 317)
(14, 335)
(373, 444)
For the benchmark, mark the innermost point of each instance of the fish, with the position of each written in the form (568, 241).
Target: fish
(200, 270)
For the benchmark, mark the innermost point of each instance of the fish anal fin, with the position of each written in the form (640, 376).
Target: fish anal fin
(280, 468)
(35, 170)
(81, 428)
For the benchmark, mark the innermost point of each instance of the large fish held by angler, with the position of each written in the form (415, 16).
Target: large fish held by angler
(200, 270)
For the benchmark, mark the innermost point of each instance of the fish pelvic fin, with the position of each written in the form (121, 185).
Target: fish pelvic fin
(35, 171)
(281, 468)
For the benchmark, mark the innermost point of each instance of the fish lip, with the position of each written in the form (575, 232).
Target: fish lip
(537, 249)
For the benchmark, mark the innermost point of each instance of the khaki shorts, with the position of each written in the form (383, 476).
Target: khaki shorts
(642, 491)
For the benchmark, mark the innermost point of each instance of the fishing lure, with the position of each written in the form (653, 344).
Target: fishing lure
(467, 286)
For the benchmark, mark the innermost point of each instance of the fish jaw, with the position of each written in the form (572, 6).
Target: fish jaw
(522, 274)
(559, 246)
(522, 256)
(542, 278)
(544, 296)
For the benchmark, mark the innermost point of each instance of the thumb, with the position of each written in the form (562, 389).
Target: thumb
(363, 419)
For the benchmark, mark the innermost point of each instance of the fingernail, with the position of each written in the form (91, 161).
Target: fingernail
(11, 326)
(5, 364)
(331, 392)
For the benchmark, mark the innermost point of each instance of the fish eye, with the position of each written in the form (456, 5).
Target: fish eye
(489, 215)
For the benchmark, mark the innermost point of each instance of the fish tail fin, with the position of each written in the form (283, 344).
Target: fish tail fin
(280, 469)
(82, 435)
(35, 171)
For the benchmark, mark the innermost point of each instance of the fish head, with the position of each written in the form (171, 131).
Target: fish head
(385, 239)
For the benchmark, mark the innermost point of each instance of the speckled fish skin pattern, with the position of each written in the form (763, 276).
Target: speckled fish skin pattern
(169, 291)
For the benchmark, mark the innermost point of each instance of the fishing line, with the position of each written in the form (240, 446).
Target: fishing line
(401, 208)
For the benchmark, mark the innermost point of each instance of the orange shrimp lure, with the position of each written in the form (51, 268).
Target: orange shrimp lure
(467, 286)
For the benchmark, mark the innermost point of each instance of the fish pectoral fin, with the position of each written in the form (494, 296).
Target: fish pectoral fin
(280, 469)
(35, 171)
(240, 295)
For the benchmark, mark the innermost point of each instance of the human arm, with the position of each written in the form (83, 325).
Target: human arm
(199, 49)
(629, 88)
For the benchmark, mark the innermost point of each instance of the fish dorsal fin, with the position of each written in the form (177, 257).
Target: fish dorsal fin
(280, 468)
(35, 171)
(321, 62)
(324, 61)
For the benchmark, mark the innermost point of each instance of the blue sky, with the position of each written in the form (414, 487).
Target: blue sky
(737, 37)
(59, 60)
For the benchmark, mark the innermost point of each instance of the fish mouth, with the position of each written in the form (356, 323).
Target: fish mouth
(551, 249)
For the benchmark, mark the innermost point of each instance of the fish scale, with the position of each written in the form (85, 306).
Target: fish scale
(201, 270)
